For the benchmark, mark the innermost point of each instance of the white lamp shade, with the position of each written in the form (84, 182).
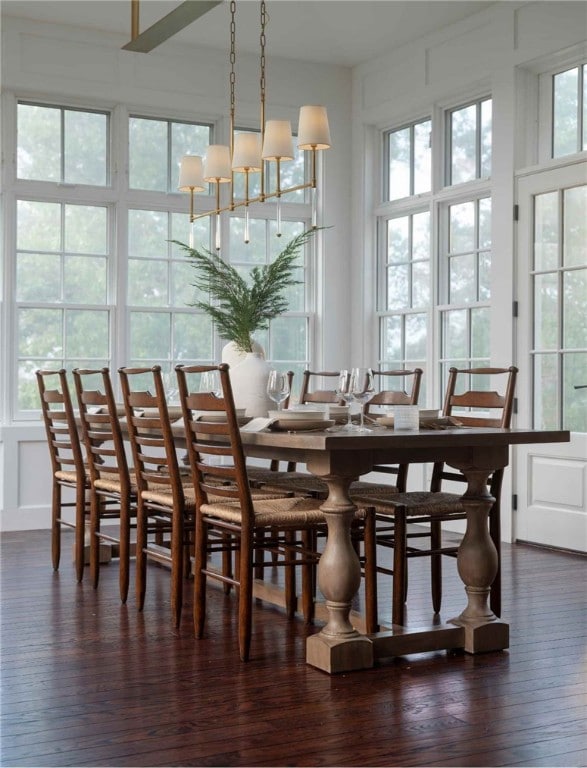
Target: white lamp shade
(191, 174)
(246, 154)
(313, 130)
(217, 164)
(278, 142)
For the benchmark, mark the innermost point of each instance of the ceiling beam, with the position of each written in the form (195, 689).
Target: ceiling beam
(169, 25)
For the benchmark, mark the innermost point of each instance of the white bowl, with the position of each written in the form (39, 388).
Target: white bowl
(297, 415)
(430, 413)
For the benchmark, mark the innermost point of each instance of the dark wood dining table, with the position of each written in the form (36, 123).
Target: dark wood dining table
(339, 458)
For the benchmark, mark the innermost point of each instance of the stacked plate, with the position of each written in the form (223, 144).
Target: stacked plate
(300, 419)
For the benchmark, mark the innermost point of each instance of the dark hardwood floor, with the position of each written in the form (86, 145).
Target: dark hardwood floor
(88, 682)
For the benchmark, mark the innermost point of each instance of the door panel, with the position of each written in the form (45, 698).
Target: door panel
(551, 482)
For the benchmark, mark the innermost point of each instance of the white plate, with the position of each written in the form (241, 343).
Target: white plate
(299, 425)
(218, 415)
(430, 413)
(290, 415)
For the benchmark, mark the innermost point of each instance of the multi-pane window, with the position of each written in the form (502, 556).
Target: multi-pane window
(414, 314)
(163, 328)
(155, 149)
(469, 142)
(98, 279)
(68, 146)
(287, 341)
(404, 323)
(569, 111)
(62, 316)
(467, 259)
(408, 153)
(559, 280)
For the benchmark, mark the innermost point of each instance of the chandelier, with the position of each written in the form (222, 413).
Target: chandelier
(247, 153)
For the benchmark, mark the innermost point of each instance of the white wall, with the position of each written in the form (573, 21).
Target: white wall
(79, 67)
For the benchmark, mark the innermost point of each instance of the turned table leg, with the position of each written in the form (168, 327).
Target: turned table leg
(339, 647)
(477, 566)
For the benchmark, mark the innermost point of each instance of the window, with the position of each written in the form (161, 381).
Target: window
(569, 111)
(155, 150)
(408, 152)
(98, 279)
(467, 261)
(61, 290)
(469, 145)
(62, 145)
(406, 282)
(434, 246)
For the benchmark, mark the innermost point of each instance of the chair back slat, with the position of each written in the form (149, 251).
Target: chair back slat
(209, 439)
(65, 448)
(149, 430)
(101, 430)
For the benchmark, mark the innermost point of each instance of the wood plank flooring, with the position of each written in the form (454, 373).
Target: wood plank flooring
(88, 682)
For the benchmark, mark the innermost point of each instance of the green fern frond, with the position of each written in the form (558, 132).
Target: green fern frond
(242, 308)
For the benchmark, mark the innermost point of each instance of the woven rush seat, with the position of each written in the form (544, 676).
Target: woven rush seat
(301, 482)
(416, 503)
(284, 513)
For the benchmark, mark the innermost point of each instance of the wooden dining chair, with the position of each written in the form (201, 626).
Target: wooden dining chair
(113, 491)
(227, 516)
(68, 469)
(165, 498)
(470, 399)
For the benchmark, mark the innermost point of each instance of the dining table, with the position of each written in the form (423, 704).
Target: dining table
(339, 458)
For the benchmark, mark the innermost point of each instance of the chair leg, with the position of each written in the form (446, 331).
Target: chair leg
(80, 531)
(124, 554)
(245, 598)
(141, 558)
(436, 565)
(308, 578)
(290, 576)
(400, 563)
(177, 569)
(226, 562)
(495, 533)
(95, 540)
(200, 577)
(370, 567)
(56, 526)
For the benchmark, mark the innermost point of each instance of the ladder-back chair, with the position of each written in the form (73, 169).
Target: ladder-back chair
(165, 506)
(471, 405)
(67, 464)
(112, 488)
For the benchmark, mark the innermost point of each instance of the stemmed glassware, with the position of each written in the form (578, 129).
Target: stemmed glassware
(362, 389)
(210, 382)
(278, 387)
(343, 393)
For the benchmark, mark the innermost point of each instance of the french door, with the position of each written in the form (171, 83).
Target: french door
(551, 480)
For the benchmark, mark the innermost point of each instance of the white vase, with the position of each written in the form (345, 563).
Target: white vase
(233, 355)
(248, 378)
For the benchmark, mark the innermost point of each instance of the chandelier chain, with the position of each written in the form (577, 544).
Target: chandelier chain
(232, 57)
(262, 41)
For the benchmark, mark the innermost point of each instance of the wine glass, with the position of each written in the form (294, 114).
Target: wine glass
(343, 393)
(278, 387)
(362, 388)
(210, 382)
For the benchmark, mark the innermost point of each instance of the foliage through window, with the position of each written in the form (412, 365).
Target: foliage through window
(469, 142)
(569, 111)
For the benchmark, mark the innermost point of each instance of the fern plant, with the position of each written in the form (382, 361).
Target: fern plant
(242, 307)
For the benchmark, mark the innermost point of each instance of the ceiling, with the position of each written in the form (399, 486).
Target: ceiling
(343, 32)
